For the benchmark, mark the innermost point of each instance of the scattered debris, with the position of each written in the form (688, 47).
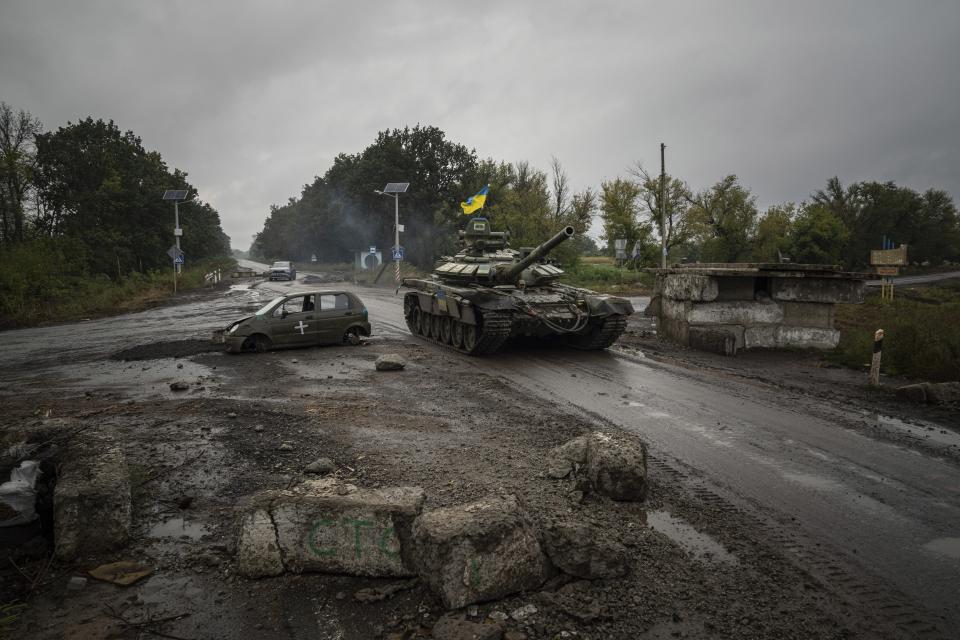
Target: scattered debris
(321, 467)
(123, 572)
(18, 495)
(453, 626)
(390, 362)
(179, 385)
(286, 446)
(376, 594)
(76, 583)
(931, 392)
(232, 415)
(523, 612)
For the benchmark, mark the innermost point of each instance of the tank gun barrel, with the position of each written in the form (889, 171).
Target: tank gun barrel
(538, 252)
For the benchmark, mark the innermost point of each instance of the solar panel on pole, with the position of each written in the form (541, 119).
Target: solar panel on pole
(396, 187)
(175, 194)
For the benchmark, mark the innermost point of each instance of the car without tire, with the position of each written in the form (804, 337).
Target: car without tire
(298, 320)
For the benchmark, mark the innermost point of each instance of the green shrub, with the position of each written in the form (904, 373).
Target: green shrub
(921, 333)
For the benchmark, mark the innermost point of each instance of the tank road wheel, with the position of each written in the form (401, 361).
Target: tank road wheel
(416, 321)
(469, 337)
(436, 321)
(445, 329)
(456, 334)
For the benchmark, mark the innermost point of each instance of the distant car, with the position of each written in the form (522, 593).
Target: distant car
(298, 320)
(283, 271)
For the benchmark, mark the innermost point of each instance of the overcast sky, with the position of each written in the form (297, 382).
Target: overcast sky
(254, 99)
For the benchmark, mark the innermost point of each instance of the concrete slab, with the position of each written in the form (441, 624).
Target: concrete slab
(808, 314)
(826, 290)
(695, 288)
(739, 312)
(807, 337)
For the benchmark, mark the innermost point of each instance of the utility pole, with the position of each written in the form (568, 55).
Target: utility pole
(663, 207)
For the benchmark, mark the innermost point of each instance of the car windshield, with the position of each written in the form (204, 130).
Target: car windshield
(280, 265)
(267, 308)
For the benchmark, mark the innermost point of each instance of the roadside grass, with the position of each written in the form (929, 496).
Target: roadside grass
(921, 332)
(31, 293)
(604, 277)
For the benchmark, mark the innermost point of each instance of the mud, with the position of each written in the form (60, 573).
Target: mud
(703, 564)
(167, 349)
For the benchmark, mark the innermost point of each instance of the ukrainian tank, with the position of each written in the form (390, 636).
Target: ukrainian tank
(488, 292)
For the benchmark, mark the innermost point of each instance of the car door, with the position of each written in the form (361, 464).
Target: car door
(294, 322)
(336, 314)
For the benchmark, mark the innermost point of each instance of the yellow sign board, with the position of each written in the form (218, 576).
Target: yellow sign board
(888, 271)
(889, 257)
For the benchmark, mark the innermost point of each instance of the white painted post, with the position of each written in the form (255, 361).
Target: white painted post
(875, 363)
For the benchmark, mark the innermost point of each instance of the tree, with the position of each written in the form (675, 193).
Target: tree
(620, 214)
(101, 188)
(670, 215)
(818, 236)
(772, 239)
(18, 131)
(723, 218)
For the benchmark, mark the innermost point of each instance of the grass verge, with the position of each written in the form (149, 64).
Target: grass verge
(921, 332)
(607, 278)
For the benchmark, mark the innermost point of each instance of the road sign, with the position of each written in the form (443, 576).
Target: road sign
(887, 271)
(174, 252)
(398, 253)
(178, 259)
(373, 249)
(889, 257)
(400, 228)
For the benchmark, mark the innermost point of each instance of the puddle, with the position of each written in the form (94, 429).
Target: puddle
(178, 528)
(949, 547)
(926, 431)
(700, 545)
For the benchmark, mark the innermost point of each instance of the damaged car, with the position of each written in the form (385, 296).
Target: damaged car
(283, 271)
(298, 320)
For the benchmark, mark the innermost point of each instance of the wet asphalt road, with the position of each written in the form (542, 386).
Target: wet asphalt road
(884, 513)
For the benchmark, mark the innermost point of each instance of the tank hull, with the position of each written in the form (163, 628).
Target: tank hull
(478, 320)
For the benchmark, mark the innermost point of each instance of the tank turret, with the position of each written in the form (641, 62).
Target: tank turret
(489, 292)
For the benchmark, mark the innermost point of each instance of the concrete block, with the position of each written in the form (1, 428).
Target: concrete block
(732, 288)
(258, 554)
(480, 551)
(738, 313)
(673, 329)
(808, 314)
(828, 290)
(676, 309)
(617, 466)
(760, 337)
(695, 288)
(566, 458)
(328, 526)
(714, 339)
(579, 550)
(807, 337)
(91, 502)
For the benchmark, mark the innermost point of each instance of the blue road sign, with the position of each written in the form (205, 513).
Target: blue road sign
(178, 259)
(398, 253)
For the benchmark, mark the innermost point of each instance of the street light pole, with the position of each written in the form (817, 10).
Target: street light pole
(394, 189)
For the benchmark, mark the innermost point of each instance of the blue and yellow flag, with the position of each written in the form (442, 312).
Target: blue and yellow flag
(475, 202)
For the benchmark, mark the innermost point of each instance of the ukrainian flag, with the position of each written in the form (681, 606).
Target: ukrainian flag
(475, 202)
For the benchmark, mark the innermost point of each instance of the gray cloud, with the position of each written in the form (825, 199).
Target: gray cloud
(254, 100)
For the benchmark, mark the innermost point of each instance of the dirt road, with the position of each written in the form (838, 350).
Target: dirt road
(779, 508)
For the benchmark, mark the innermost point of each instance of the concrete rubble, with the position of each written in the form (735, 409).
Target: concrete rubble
(93, 487)
(453, 626)
(479, 551)
(615, 466)
(727, 307)
(578, 550)
(390, 362)
(328, 526)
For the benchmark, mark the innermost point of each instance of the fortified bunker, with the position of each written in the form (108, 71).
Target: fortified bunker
(725, 307)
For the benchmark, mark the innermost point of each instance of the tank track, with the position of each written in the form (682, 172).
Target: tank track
(494, 329)
(602, 335)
